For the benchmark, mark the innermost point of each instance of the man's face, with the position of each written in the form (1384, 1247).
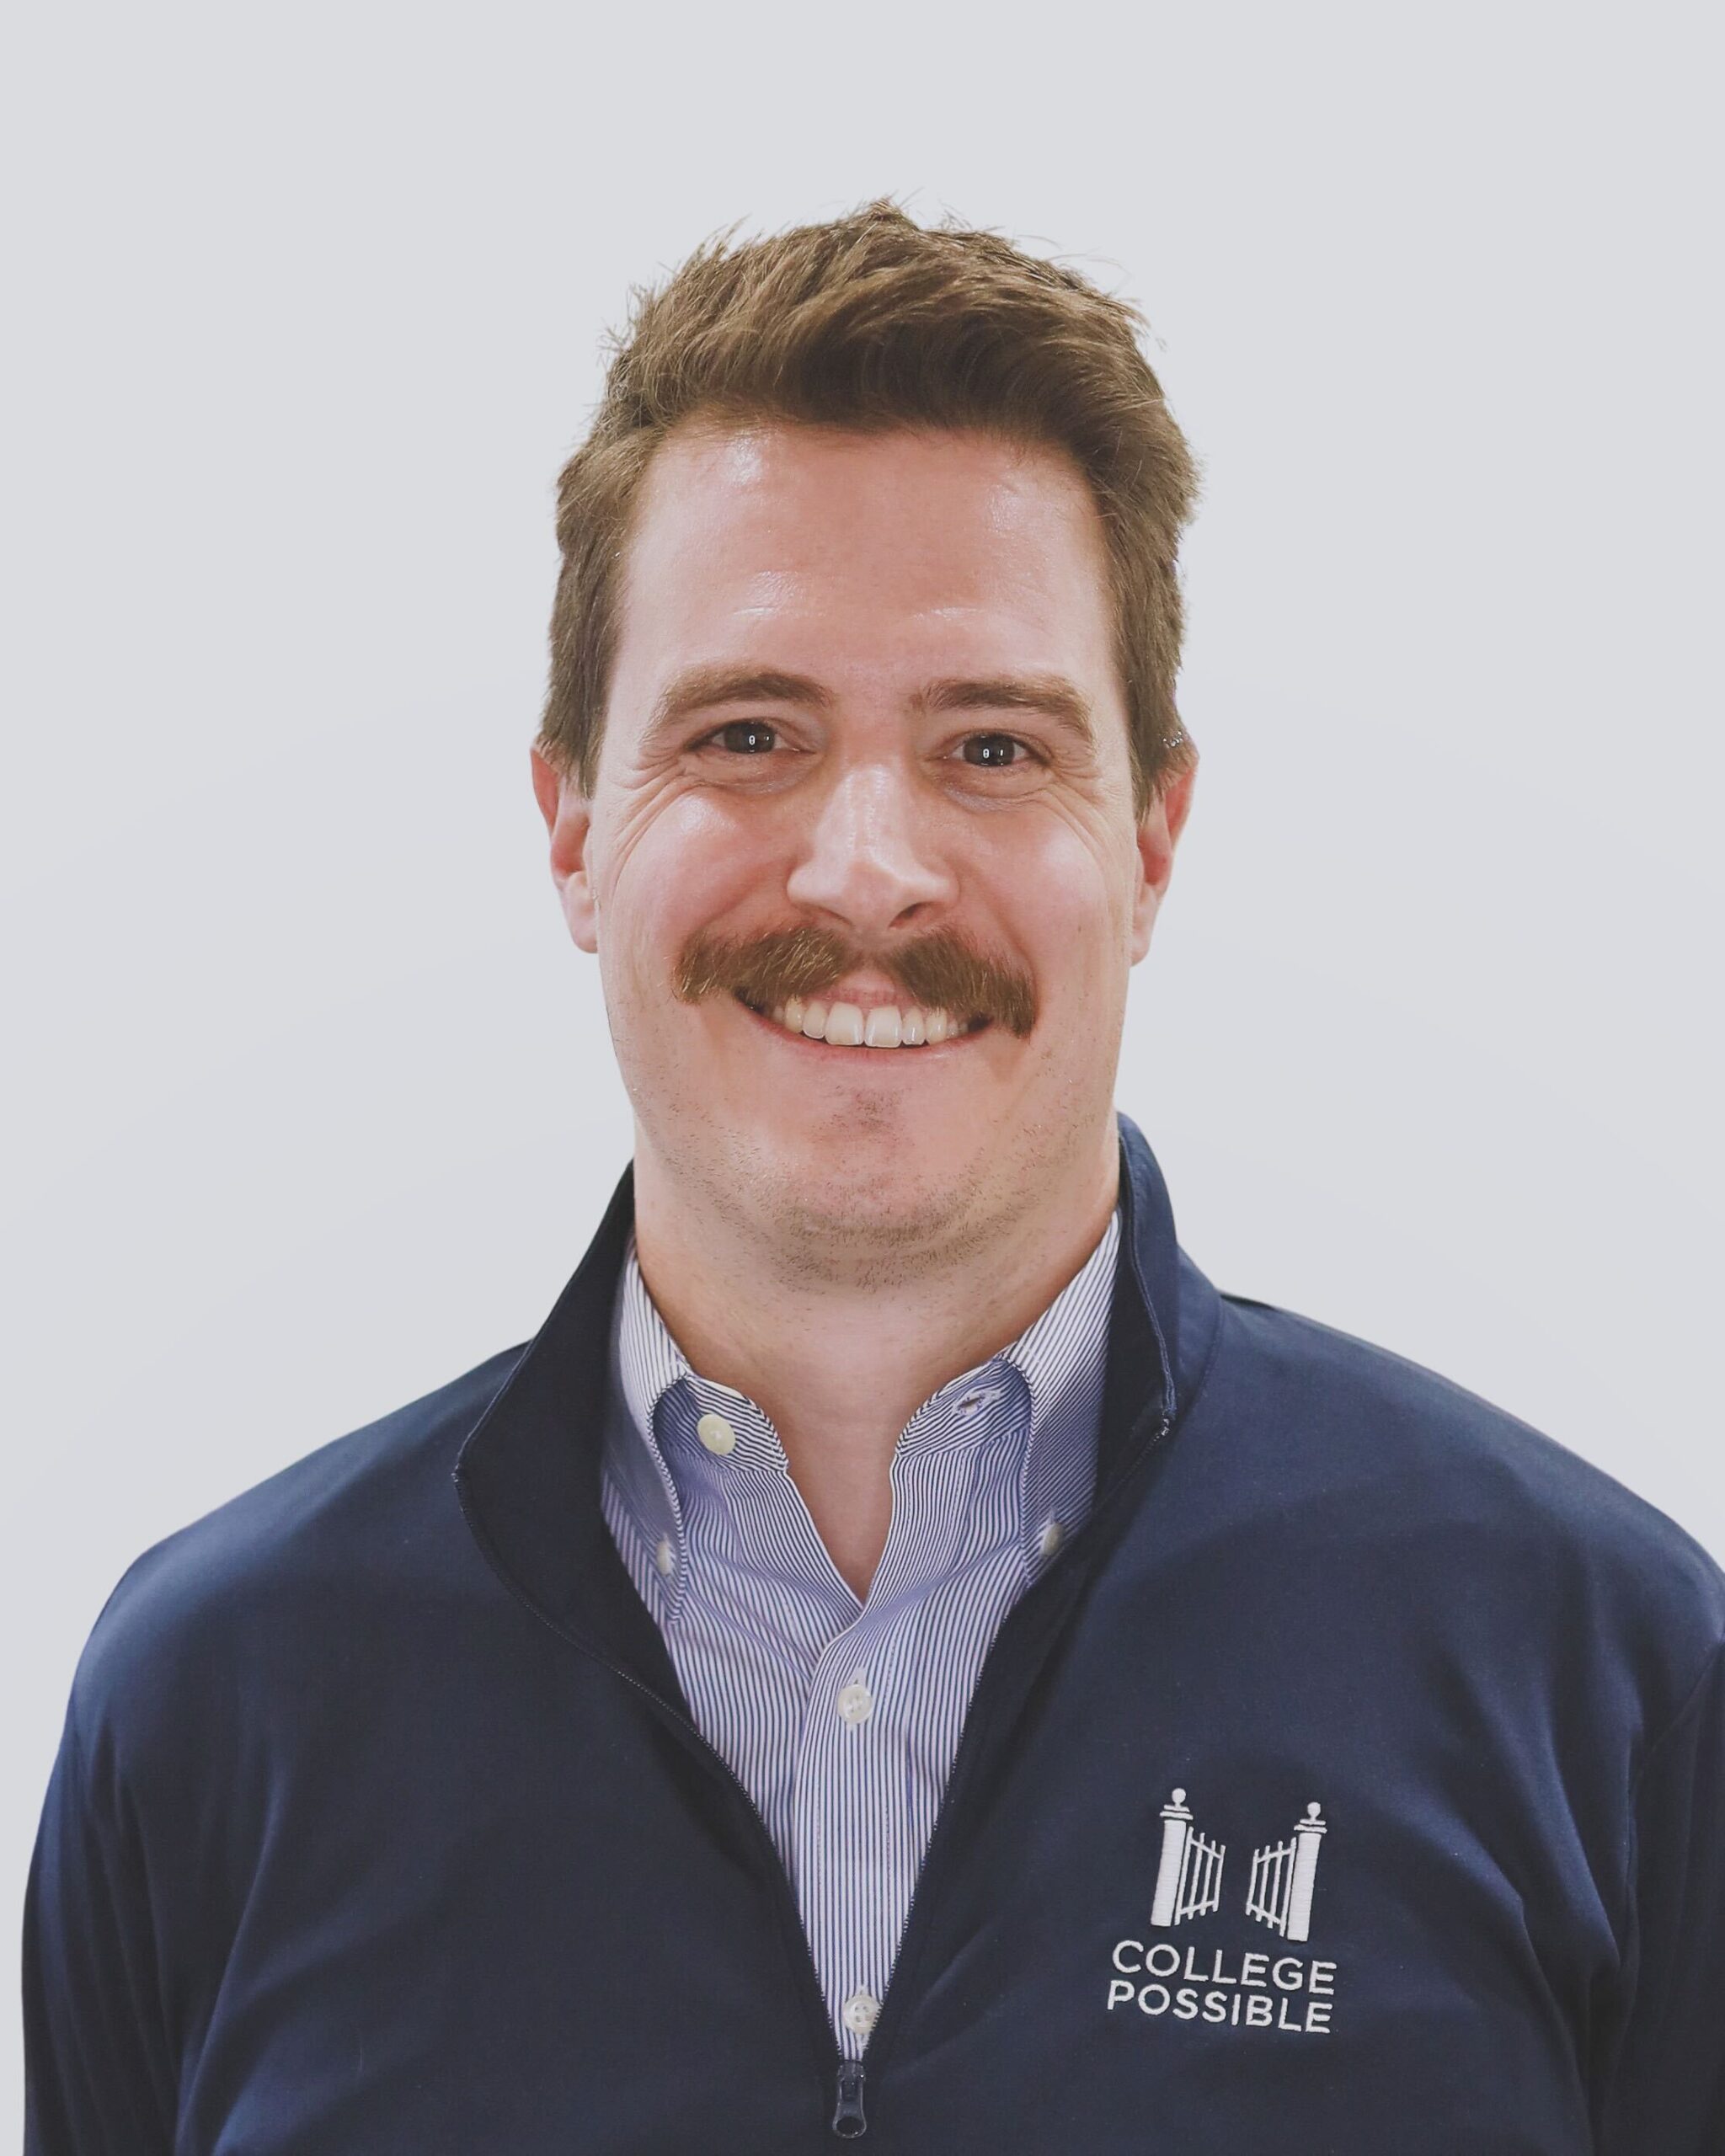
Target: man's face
(864, 688)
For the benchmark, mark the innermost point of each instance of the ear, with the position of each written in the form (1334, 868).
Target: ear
(569, 819)
(1159, 831)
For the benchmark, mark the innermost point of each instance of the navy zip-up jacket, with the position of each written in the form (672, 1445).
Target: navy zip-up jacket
(1351, 1782)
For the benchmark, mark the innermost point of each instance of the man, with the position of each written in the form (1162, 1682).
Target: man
(899, 1652)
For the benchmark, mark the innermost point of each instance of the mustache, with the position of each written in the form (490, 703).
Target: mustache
(941, 971)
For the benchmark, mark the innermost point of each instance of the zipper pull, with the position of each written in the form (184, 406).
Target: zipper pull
(848, 2122)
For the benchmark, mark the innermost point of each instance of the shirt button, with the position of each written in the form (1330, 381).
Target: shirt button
(1050, 1539)
(855, 1704)
(860, 2012)
(716, 1434)
(664, 1556)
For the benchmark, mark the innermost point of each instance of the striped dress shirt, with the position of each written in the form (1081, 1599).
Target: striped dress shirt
(841, 1718)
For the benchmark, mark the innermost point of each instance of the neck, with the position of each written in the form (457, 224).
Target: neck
(841, 1361)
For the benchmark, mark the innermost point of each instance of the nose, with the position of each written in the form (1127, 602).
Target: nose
(872, 860)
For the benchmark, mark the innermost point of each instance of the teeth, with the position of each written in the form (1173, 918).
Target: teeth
(885, 1025)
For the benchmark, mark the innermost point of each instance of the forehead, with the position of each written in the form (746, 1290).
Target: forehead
(823, 549)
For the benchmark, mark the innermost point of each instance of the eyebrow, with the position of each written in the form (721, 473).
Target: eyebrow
(1051, 694)
(703, 688)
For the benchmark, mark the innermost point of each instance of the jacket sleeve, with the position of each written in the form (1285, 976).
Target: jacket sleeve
(1666, 2092)
(98, 2080)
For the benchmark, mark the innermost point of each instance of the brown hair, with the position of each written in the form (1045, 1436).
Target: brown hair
(871, 321)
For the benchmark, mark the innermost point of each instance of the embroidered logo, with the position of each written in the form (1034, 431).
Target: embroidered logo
(1239, 1990)
(1188, 1877)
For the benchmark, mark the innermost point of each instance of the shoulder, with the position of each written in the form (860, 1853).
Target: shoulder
(1365, 1451)
(333, 1540)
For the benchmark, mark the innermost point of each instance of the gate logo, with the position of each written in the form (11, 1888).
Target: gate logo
(1188, 1879)
(1259, 1991)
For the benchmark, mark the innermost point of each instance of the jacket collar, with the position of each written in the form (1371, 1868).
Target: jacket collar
(528, 1476)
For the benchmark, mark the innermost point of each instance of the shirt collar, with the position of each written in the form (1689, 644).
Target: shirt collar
(1058, 1361)
(527, 1476)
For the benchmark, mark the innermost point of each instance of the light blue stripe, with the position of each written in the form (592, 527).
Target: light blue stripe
(764, 1633)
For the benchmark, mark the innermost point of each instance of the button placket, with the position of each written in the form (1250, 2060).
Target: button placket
(848, 1865)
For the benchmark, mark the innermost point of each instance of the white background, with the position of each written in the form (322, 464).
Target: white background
(311, 1106)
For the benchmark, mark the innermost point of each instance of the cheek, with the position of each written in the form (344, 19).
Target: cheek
(668, 871)
(1067, 900)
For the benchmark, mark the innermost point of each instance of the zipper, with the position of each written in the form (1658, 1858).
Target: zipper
(782, 1891)
(959, 1780)
(848, 2122)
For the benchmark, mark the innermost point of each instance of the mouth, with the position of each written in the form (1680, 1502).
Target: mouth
(876, 1026)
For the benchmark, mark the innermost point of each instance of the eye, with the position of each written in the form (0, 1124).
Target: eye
(742, 737)
(993, 751)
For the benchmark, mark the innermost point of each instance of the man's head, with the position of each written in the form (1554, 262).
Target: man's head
(862, 702)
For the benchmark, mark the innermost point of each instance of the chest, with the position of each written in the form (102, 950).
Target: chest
(568, 1926)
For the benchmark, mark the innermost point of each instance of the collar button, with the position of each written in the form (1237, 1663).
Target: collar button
(716, 1434)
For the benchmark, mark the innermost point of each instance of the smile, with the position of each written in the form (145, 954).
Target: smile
(882, 1025)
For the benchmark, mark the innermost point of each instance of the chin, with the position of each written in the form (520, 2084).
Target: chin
(844, 1204)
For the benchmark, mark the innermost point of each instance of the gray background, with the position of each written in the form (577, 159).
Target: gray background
(311, 1104)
